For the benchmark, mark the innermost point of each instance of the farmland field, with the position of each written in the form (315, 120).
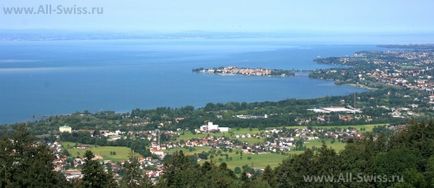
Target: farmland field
(362, 128)
(186, 135)
(336, 145)
(107, 152)
(234, 158)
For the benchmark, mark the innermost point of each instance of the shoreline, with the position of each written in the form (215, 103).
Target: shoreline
(302, 73)
(362, 86)
(44, 117)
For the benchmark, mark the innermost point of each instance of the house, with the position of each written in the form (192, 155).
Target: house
(210, 127)
(65, 129)
(73, 174)
(345, 118)
(114, 138)
(224, 129)
(431, 99)
(156, 150)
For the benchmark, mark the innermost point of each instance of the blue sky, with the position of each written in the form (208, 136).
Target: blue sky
(362, 16)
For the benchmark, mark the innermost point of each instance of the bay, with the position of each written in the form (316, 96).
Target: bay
(42, 78)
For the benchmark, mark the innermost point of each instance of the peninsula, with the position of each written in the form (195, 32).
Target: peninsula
(233, 70)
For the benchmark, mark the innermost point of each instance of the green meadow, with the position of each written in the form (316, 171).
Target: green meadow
(113, 153)
(234, 158)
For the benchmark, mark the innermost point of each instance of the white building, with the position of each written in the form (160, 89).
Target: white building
(72, 174)
(156, 150)
(65, 129)
(431, 99)
(210, 127)
(335, 110)
(109, 133)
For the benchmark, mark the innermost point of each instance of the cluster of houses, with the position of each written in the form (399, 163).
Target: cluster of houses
(401, 78)
(402, 112)
(71, 166)
(242, 116)
(410, 69)
(152, 167)
(417, 74)
(284, 140)
(271, 140)
(274, 140)
(61, 163)
(59, 158)
(110, 135)
(150, 135)
(157, 150)
(327, 118)
(236, 70)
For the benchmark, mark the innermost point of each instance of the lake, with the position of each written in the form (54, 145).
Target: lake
(40, 78)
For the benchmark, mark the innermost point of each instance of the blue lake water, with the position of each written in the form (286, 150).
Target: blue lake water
(39, 78)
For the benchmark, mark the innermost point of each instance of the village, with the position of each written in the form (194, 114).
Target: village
(280, 141)
(398, 68)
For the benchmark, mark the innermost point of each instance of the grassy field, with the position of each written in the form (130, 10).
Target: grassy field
(191, 151)
(235, 159)
(187, 135)
(337, 146)
(362, 128)
(252, 140)
(122, 153)
(253, 160)
(261, 160)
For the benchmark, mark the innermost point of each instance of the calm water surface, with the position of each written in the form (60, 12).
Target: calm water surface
(42, 78)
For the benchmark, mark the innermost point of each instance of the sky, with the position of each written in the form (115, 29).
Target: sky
(347, 16)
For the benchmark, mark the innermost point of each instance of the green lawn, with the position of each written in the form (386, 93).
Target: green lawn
(187, 135)
(365, 127)
(245, 130)
(234, 159)
(189, 151)
(122, 153)
(261, 160)
(337, 146)
(253, 160)
(252, 140)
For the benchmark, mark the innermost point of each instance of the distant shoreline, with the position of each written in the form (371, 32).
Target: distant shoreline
(233, 70)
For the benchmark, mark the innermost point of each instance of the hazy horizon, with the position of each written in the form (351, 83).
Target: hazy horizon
(334, 16)
(291, 37)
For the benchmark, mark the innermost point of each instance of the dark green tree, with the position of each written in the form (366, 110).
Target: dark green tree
(134, 176)
(180, 171)
(25, 162)
(94, 175)
(268, 175)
